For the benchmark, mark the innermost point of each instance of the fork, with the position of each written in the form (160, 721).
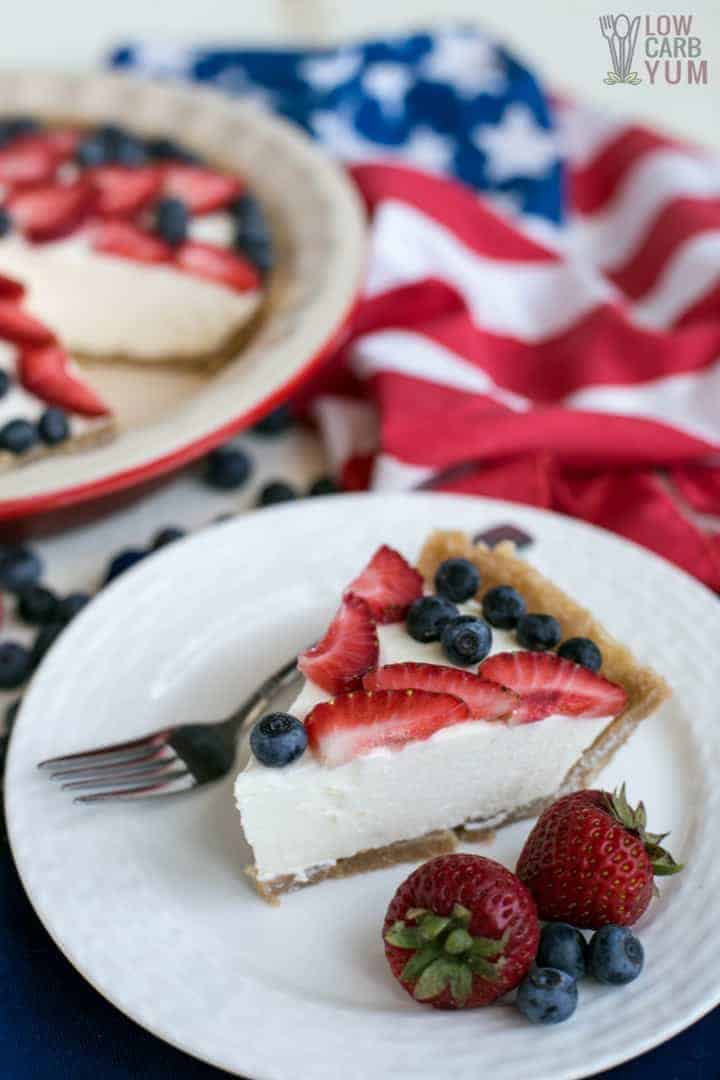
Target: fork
(187, 756)
(607, 27)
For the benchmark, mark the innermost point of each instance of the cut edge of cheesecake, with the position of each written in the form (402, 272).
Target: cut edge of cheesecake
(646, 691)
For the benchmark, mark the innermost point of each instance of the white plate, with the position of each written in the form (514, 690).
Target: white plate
(167, 418)
(150, 902)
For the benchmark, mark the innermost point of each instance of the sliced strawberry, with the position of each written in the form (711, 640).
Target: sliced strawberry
(19, 327)
(354, 723)
(486, 700)
(217, 264)
(388, 585)
(62, 141)
(548, 684)
(123, 191)
(128, 241)
(46, 372)
(10, 289)
(51, 211)
(349, 649)
(29, 160)
(202, 190)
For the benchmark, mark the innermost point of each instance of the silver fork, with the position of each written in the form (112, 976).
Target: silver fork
(187, 756)
(607, 26)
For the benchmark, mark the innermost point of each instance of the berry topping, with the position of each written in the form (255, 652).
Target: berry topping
(388, 585)
(172, 220)
(457, 580)
(348, 650)
(18, 436)
(590, 861)
(355, 723)
(616, 955)
(128, 241)
(538, 631)
(217, 264)
(5, 224)
(228, 468)
(503, 606)
(276, 491)
(10, 289)
(547, 996)
(12, 127)
(549, 685)
(486, 700)
(37, 605)
(53, 426)
(563, 947)
(123, 191)
(19, 567)
(51, 211)
(121, 146)
(122, 562)
(45, 371)
(581, 650)
(14, 665)
(19, 327)
(202, 190)
(161, 148)
(30, 160)
(466, 640)
(460, 932)
(428, 616)
(278, 739)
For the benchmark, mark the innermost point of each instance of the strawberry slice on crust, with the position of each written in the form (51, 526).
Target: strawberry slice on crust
(486, 700)
(29, 160)
(123, 191)
(352, 724)
(129, 242)
(202, 190)
(388, 585)
(46, 372)
(548, 684)
(349, 649)
(51, 211)
(217, 264)
(19, 327)
(10, 289)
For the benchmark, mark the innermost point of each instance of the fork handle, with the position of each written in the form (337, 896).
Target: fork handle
(284, 676)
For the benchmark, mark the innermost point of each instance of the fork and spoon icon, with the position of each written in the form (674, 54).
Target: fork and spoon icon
(621, 35)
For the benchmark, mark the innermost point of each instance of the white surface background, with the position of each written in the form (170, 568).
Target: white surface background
(560, 38)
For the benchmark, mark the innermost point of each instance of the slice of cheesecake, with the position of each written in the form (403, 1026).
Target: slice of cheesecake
(412, 743)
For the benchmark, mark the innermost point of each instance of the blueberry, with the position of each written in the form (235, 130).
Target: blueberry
(563, 947)
(616, 955)
(277, 491)
(19, 567)
(4, 377)
(53, 426)
(161, 149)
(122, 562)
(538, 631)
(581, 650)
(126, 149)
(166, 536)
(12, 127)
(14, 665)
(171, 220)
(275, 422)
(37, 605)
(5, 221)
(71, 605)
(258, 251)
(18, 436)
(44, 638)
(427, 617)
(228, 468)
(503, 606)
(466, 640)
(11, 714)
(93, 151)
(547, 996)
(324, 485)
(278, 739)
(250, 220)
(457, 579)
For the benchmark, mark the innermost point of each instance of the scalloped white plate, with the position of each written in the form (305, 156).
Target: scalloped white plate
(166, 419)
(150, 902)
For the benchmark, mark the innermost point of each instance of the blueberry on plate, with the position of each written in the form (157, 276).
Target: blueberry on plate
(428, 616)
(466, 640)
(324, 485)
(19, 567)
(171, 220)
(18, 436)
(547, 996)
(122, 562)
(53, 426)
(564, 947)
(457, 580)
(166, 536)
(5, 227)
(503, 606)
(581, 650)
(278, 739)
(538, 631)
(616, 955)
(14, 665)
(228, 468)
(37, 605)
(71, 605)
(275, 422)
(45, 637)
(277, 491)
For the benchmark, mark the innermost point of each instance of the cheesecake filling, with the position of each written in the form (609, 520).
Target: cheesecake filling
(307, 814)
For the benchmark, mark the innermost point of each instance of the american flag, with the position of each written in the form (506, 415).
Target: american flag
(541, 315)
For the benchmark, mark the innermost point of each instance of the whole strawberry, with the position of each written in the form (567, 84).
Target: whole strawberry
(590, 861)
(461, 931)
